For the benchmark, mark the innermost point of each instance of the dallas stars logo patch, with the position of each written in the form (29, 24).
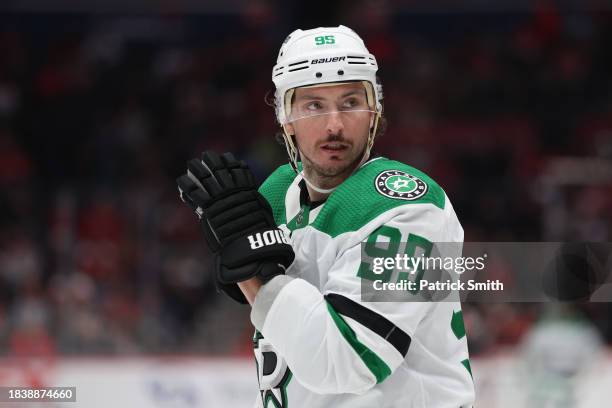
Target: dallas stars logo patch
(401, 185)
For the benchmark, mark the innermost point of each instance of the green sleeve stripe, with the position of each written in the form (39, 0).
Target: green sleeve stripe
(377, 323)
(466, 364)
(374, 363)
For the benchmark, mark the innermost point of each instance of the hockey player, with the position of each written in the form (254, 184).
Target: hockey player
(293, 248)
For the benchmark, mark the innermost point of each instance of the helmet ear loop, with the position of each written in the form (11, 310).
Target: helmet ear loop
(371, 97)
(372, 134)
(292, 150)
(290, 145)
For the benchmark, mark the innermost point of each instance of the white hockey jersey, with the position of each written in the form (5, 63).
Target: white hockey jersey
(317, 343)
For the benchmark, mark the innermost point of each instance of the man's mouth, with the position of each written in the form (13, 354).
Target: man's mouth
(334, 146)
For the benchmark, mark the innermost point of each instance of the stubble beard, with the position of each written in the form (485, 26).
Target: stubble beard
(329, 176)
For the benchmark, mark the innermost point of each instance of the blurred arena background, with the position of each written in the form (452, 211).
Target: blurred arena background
(104, 278)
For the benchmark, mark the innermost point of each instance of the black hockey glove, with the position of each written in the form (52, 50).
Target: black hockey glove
(236, 220)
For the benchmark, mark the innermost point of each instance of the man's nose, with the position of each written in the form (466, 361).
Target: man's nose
(335, 125)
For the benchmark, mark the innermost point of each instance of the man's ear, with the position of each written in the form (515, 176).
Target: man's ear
(289, 129)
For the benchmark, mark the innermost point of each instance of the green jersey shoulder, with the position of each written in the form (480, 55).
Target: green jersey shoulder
(378, 186)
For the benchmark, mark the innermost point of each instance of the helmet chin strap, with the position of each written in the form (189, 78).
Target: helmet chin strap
(315, 188)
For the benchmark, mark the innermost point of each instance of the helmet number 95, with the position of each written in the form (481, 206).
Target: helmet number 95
(325, 39)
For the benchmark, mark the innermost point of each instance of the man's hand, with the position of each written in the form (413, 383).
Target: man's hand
(237, 221)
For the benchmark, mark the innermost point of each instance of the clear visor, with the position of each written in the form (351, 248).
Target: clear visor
(318, 107)
(345, 115)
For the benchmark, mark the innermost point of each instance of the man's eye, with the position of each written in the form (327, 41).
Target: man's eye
(352, 103)
(313, 106)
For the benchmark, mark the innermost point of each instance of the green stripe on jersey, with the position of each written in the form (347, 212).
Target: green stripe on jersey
(374, 363)
(466, 364)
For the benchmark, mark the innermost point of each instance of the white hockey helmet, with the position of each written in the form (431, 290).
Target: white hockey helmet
(321, 56)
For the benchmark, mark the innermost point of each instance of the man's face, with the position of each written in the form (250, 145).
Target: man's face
(331, 127)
